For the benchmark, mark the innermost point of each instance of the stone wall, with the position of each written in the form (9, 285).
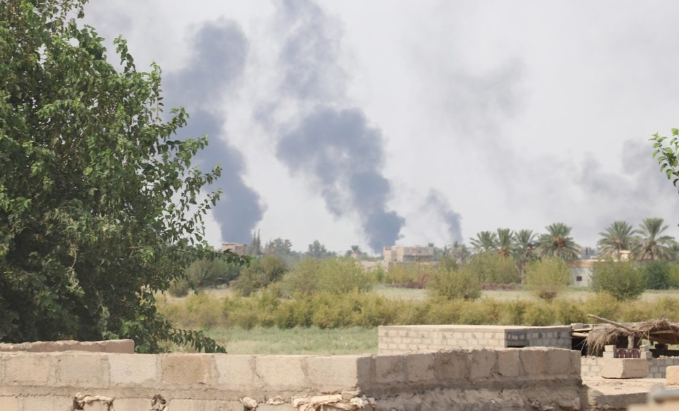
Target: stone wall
(111, 346)
(455, 380)
(428, 338)
(591, 366)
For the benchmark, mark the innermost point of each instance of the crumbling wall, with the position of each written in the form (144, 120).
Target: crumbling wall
(515, 379)
(428, 338)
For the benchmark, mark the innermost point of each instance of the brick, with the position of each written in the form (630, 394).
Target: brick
(9, 404)
(624, 368)
(453, 365)
(420, 368)
(82, 370)
(508, 363)
(282, 371)
(389, 369)
(47, 403)
(137, 370)
(186, 369)
(481, 364)
(27, 369)
(334, 374)
(672, 373)
(532, 361)
(558, 362)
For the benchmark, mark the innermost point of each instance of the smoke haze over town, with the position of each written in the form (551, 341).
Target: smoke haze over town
(380, 123)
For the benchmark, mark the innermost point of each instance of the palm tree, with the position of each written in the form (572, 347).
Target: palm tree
(484, 241)
(652, 245)
(618, 237)
(524, 243)
(505, 241)
(558, 243)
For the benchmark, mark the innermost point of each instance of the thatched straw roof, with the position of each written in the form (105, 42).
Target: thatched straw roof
(660, 331)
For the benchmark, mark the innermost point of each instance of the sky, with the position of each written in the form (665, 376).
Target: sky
(376, 123)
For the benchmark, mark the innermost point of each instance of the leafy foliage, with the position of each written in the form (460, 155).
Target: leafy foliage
(652, 245)
(453, 284)
(88, 232)
(260, 273)
(624, 280)
(493, 268)
(330, 275)
(657, 275)
(547, 278)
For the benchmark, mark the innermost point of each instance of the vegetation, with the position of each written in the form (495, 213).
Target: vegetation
(454, 283)
(652, 245)
(260, 273)
(547, 278)
(618, 237)
(657, 275)
(623, 280)
(334, 276)
(493, 268)
(88, 171)
(558, 243)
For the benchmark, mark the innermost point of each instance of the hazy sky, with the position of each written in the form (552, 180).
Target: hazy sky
(369, 122)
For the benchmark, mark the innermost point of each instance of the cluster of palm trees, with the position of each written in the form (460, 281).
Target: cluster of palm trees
(526, 244)
(646, 243)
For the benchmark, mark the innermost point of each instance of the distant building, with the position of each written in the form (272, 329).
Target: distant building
(236, 248)
(581, 270)
(408, 254)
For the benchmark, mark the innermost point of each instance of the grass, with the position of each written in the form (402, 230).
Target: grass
(354, 340)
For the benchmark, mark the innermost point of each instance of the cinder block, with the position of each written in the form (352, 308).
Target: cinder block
(558, 362)
(27, 369)
(672, 373)
(47, 403)
(119, 346)
(389, 369)
(452, 365)
(532, 361)
(508, 363)
(421, 368)
(138, 370)
(204, 405)
(235, 372)
(334, 374)
(281, 407)
(624, 368)
(186, 369)
(9, 404)
(481, 364)
(132, 404)
(82, 370)
(96, 406)
(282, 371)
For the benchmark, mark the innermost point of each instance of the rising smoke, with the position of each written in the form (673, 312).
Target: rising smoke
(437, 204)
(216, 63)
(335, 147)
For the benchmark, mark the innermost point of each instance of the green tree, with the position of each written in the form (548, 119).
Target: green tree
(547, 278)
(558, 243)
(279, 246)
(454, 284)
(260, 273)
(618, 237)
(485, 241)
(88, 168)
(505, 242)
(652, 245)
(492, 268)
(657, 275)
(524, 249)
(318, 250)
(624, 280)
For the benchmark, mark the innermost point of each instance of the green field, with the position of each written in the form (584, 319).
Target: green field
(354, 340)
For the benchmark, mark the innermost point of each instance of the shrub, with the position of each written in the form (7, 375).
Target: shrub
(455, 284)
(547, 278)
(603, 305)
(657, 275)
(179, 287)
(413, 275)
(260, 273)
(539, 314)
(493, 268)
(624, 280)
(331, 275)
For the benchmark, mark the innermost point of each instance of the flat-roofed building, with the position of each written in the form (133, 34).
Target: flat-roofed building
(415, 254)
(236, 248)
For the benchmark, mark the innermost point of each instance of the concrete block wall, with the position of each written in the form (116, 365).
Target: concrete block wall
(50, 381)
(657, 367)
(429, 338)
(111, 346)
